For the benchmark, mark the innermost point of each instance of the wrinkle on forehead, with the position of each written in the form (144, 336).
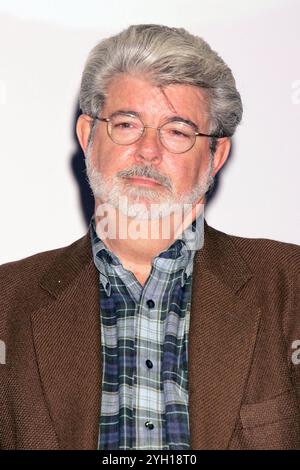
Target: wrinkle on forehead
(203, 97)
(165, 94)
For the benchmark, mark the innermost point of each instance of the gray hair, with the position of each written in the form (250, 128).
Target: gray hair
(165, 56)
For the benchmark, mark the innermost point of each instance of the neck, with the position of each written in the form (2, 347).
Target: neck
(137, 242)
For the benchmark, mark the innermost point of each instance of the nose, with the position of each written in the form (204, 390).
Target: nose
(149, 148)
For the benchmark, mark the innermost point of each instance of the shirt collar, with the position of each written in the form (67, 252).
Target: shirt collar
(182, 249)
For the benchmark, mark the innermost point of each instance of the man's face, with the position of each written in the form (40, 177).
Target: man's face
(145, 171)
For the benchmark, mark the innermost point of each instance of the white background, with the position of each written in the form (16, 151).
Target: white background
(43, 47)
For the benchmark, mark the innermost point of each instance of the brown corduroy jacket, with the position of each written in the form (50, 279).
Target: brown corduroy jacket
(244, 377)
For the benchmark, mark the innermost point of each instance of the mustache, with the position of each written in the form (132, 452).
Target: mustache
(147, 172)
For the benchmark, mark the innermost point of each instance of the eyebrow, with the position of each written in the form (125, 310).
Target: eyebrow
(170, 119)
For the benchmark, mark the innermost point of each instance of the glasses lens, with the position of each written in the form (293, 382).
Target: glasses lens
(177, 136)
(125, 129)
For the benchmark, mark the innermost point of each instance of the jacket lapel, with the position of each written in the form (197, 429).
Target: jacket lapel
(222, 336)
(67, 342)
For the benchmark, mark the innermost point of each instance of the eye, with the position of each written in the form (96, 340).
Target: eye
(125, 124)
(178, 133)
(122, 125)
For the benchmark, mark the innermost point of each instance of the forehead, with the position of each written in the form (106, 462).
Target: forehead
(130, 93)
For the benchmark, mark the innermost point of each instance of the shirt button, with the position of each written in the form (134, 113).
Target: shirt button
(149, 425)
(149, 364)
(150, 303)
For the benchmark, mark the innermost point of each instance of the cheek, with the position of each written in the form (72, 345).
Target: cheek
(186, 174)
(181, 175)
(184, 170)
(110, 158)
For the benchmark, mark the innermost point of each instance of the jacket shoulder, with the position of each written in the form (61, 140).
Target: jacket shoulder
(29, 267)
(20, 280)
(260, 253)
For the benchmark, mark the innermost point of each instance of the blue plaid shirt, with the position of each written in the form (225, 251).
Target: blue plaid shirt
(144, 341)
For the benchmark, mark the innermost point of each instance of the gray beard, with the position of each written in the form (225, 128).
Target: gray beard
(144, 203)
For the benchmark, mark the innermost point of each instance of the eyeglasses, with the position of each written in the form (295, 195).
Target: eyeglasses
(176, 136)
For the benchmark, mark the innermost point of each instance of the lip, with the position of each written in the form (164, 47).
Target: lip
(143, 181)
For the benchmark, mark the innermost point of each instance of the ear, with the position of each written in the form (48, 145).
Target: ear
(83, 130)
(221, 154)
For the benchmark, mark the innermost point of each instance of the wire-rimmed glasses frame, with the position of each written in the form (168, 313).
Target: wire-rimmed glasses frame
(185, 144)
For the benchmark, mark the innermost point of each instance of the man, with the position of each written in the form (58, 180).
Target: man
(153, 331)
